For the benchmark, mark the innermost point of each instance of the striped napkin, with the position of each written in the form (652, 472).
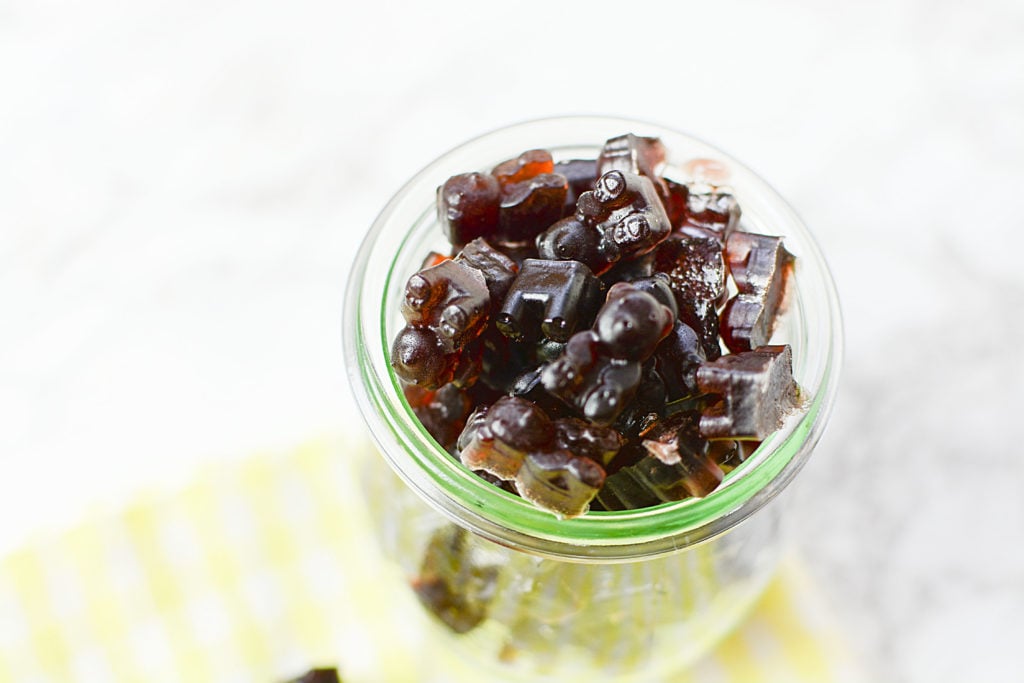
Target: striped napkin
(261, 569)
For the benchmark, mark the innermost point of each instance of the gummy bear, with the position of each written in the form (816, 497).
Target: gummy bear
(451, 299)
(529, 164)
(530, 207)
(600, 369)
(419, 357)
(451, 585)
(620, 219)
(467, 207)
(761, 268)
(756, 391)
(634, 154)
(498, 437)
(549, 298)
(658, 285)
(678, 356)
(498, 269)
(677, 466)
(696, 271)
(647, 404)
(631, 323)
(581, 175)
(447, 307)
(559, 482)
(676, 199)
(515, 440)
(432, 259)
(443, 412)
(712, 208)
(581, 438)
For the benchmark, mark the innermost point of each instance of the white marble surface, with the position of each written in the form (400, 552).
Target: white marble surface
(182, 185)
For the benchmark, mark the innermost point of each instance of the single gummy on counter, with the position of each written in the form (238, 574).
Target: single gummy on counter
(569, 348)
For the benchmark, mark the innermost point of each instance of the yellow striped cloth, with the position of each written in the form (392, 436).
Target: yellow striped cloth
(260, 569)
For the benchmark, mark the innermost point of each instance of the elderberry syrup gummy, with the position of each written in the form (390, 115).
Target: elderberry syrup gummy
(569, 348)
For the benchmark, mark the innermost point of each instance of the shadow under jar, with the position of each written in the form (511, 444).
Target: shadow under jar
(608, 596)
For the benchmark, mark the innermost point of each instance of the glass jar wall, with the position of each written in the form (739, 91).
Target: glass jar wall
(609, 595)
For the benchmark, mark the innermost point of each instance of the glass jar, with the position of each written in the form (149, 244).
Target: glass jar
(626, 595)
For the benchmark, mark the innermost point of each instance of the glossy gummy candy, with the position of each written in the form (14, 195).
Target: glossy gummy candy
(761, 268)
(568, 348)
(442, 412)
(756, 392)
(530, 207)
(451, 299)
(419, 357)
(678, 357)
(622, 218)
(550, 462)
(677, 466)
(451, 585)
(712, 208)
(696, 271)
(600, 370)
(635, 154)
(581, 174)
(467, 207)
(497, 438)
(498, 269)
(549, 299)
(559, 482)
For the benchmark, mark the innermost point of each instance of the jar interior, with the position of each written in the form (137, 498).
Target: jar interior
(810, 325)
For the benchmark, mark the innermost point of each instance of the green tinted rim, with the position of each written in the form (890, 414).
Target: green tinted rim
(512, 521)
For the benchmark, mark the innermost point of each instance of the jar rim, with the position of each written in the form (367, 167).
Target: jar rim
(507, 519)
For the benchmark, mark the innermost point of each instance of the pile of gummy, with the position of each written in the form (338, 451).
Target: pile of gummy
(569, 350)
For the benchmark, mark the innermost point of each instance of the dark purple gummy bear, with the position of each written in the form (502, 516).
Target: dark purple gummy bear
(529, 164)
(711, 208)
(451, 583)
(572, 239)
(678, 357)
(622, 218)
(757, 392)
(631, 323)
(419, 357)
(443, 412)
(579, 437)
(598, 387)
(761, 268)
(467, 207)
(658, 285)
(549, 298)
(450, 298)
(559, 482)
(497, 438)
(530, 207)
(498, 269)
(634, 154)
(581, 175)
(626, 208)
(600, 370)
(696, 270)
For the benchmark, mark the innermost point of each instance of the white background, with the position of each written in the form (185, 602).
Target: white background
(183, 185)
